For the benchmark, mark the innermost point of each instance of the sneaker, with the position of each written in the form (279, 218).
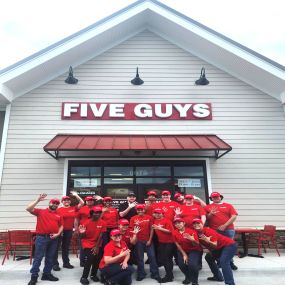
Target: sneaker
(215, 279)
(95, 278)
(69, 266)
(56, 267)
(140, 278)
(233, 266)
(166, 279)
(155, 277)
(33, 281)
(186, 281)
(84, 281)
(49, 277)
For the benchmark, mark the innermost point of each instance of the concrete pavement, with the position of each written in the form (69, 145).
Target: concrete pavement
(269, 270)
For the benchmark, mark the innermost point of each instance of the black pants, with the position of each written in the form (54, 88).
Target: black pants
(165, 257)
(64, 242)
(91, 261)
(116, 275)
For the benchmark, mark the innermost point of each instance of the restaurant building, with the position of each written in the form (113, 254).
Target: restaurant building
(208, 116)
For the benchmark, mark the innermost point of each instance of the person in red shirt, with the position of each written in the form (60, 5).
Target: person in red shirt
(179, 198)
(114, 264)
(110, 215)
(221, 217)
(189, 251)
(151, 202)
(91, 233)
(144, 243)
(163, 229)
(221, 248)
(167, 205)
(49, 227)
(190, 211)
(68, 213)
(83, 216)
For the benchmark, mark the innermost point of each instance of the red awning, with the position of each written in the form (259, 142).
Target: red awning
(73, 142)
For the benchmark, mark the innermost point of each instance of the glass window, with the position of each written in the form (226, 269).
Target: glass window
(119, 180)
(85, 171)
(153, 171)
(118, 171)
(157, 180)
(188, 171)
(194, 186)
(117, 192)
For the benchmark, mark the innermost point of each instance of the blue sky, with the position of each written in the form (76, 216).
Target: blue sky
(31, 25)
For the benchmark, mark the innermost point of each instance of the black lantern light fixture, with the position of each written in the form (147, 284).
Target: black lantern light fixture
(202, 80)
(137, 80)
(70, 78)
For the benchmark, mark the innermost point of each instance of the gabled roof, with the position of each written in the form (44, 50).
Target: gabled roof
(220, 51)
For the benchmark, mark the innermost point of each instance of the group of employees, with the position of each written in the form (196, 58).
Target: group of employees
(113, 240)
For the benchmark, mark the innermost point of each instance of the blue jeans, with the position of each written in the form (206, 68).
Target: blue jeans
(44, 246)
(115, 274)
(224, 255)
(190, 270)
(140, 248)
(230, 234)
(64, 240)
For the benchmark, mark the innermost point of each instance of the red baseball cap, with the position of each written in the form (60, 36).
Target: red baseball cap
(140, 206)
(177, 195)
(158, 210)
(149, 193)
(96, 209)
(89, 198)
(197, 221)
(189, 196)
(65, 198)
(165, 192)
(216, 194)
(123, 222)
(107, 198)
(54, 200)
(115, 232)
(178, 219)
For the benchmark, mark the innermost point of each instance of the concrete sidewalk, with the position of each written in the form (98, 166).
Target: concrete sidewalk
(269, 270)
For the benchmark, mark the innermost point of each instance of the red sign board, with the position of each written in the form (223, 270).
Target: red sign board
(136, 111)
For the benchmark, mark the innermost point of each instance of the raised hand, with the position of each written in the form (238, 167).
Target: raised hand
(136, 229)
(42, 197)
(178, 211)
(81, 229)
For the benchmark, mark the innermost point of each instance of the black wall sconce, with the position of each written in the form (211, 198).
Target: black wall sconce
(70, 78)
(202, 80)
(137, 80)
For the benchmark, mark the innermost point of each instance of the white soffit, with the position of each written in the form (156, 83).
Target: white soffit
(201, 41)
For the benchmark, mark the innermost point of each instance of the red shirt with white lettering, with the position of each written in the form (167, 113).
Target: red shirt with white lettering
(224, 212)
(185, 243)
(168, 208)
(191, 212)
(144, 222)
(111, 217)
(111, 249)
(84, 214)
(222, 241)
(93, 231)
(162, 236)
(48, 222)
(68, 214)
(126, 237)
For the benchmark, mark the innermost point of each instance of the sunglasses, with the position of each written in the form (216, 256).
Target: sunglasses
(56, 203)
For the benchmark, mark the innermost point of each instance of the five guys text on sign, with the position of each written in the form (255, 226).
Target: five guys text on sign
(136, 111)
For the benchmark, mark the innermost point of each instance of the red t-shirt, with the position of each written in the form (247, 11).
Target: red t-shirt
(149, 208)
(145, 223)
(93, 231)
(224, 212)
(222, 241)
(83, 214)
(48, 222)
(162, 236)
(126, 237)
(68, 214)
(191, 212)
(111, 249)
(186, 244)
(111, 217)
(168, 208)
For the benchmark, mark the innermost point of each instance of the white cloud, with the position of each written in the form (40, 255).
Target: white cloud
(30, 25)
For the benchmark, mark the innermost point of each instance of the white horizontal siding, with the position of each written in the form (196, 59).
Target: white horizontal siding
(251, 176)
